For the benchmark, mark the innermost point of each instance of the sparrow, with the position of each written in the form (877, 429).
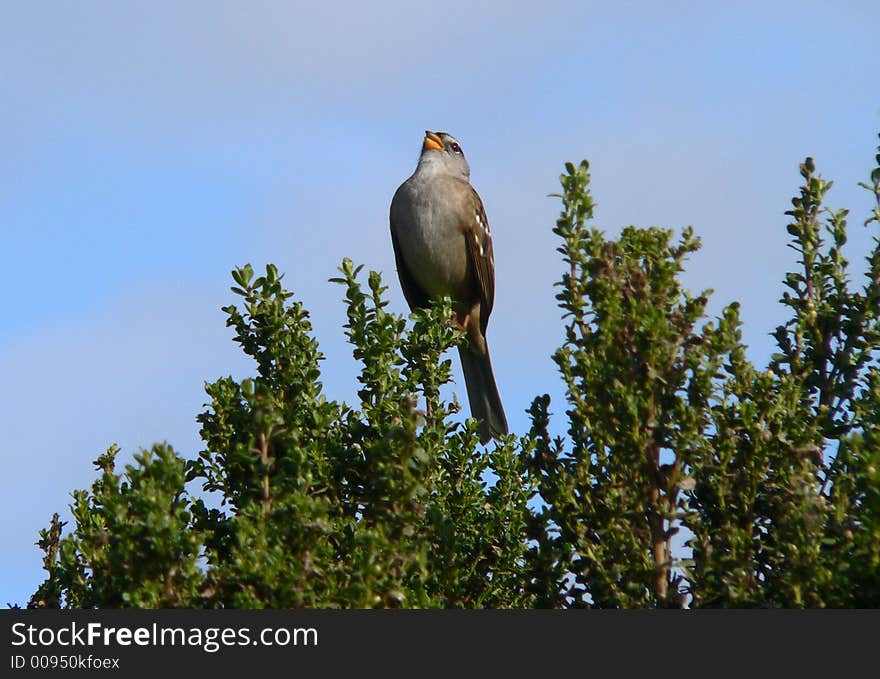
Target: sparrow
(443, 248)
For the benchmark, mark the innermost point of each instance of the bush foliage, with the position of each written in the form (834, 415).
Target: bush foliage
(772, 476)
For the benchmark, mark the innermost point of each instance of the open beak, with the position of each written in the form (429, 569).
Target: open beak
(432, 141)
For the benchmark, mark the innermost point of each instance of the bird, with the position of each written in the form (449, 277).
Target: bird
(443, 248)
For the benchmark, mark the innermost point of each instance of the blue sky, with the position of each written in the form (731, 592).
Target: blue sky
(148, 148)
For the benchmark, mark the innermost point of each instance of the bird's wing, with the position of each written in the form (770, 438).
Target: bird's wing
(413, 293)
(480, 253)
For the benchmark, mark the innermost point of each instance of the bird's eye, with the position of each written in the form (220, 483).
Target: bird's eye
(455, 147)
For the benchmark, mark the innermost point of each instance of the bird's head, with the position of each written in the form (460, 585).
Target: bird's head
(442, 152)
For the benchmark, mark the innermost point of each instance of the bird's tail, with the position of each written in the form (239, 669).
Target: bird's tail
(482, 392)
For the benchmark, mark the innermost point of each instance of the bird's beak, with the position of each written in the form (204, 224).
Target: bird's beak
(432, 141)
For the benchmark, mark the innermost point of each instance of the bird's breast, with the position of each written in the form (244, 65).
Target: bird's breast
(431, 241)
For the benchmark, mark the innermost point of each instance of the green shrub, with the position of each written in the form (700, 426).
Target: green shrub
(302, 501)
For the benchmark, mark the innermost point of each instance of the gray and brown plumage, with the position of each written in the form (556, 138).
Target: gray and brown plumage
(443, 247)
